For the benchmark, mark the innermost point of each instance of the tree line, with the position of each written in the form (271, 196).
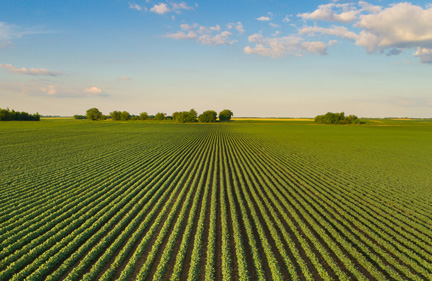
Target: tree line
(12, 115)
(190, 116)
(336, 118)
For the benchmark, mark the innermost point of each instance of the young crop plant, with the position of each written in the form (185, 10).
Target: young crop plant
(245, 200)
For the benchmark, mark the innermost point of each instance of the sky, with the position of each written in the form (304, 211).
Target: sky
(258, 58)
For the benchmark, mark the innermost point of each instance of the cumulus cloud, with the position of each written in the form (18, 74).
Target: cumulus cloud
(286, 18)
(367, 7)
(424, 54)
(237, 26)
(49, 90)
(160, 9)
(163, 8)
(274, 25)
(186, 26)
(180, 6)
(182, 35)
(93, 90)
(400, 26)
(213, 35)
(263, 18)
(339, 31)
(280, 46)
(332, 42)
(215, 28)
(135, 6)
(218, 39)
(346, 14)
(316, 47)
(31, 71)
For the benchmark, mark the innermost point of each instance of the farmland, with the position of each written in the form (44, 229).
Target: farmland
(249, 199)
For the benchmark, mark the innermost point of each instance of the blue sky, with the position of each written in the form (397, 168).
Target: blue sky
(257, 58)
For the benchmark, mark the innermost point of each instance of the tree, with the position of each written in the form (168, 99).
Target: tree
(159, 116)
(225, 115)
(125, 116)
(185, 116)
(143, 116)
(12, 115)
(193, 115)
(336, 118)
(115, 115)
(208, 116)
(93, 114)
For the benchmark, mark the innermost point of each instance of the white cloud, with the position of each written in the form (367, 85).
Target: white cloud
(218, 39)
(213, 35)
(124, 78)
(182, 35)
(332, 42)
(93, 90)
(160, 9)
(400, 26)
(263, 18)
(163, 8)
(280, 46)
(239, 27)
(31, 71)
(316, 47)
(326, 13)
(215, 28)
(49, 90)
(286, 18)
(187, 27)
(340, 31)
(180, 6)
(424, 54)
(369, 7)
(274, 25)
(135, 6)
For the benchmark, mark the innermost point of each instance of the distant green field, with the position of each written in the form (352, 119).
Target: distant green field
(249, 199)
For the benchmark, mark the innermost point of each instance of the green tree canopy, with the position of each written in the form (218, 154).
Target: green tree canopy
(208, 116)
(143, 116)
(336, 118)
(125, 116)
(159, 116)
(12, 115)
(225, 115)
(115, 115)
(93, 114)
(185, 116)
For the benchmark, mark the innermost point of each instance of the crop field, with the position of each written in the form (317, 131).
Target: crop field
(245, 200)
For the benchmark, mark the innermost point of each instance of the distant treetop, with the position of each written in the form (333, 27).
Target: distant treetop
(94, 114)
(12, 115)
(208, 116)
(336, 118)
(225, 115)
(185, 116)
